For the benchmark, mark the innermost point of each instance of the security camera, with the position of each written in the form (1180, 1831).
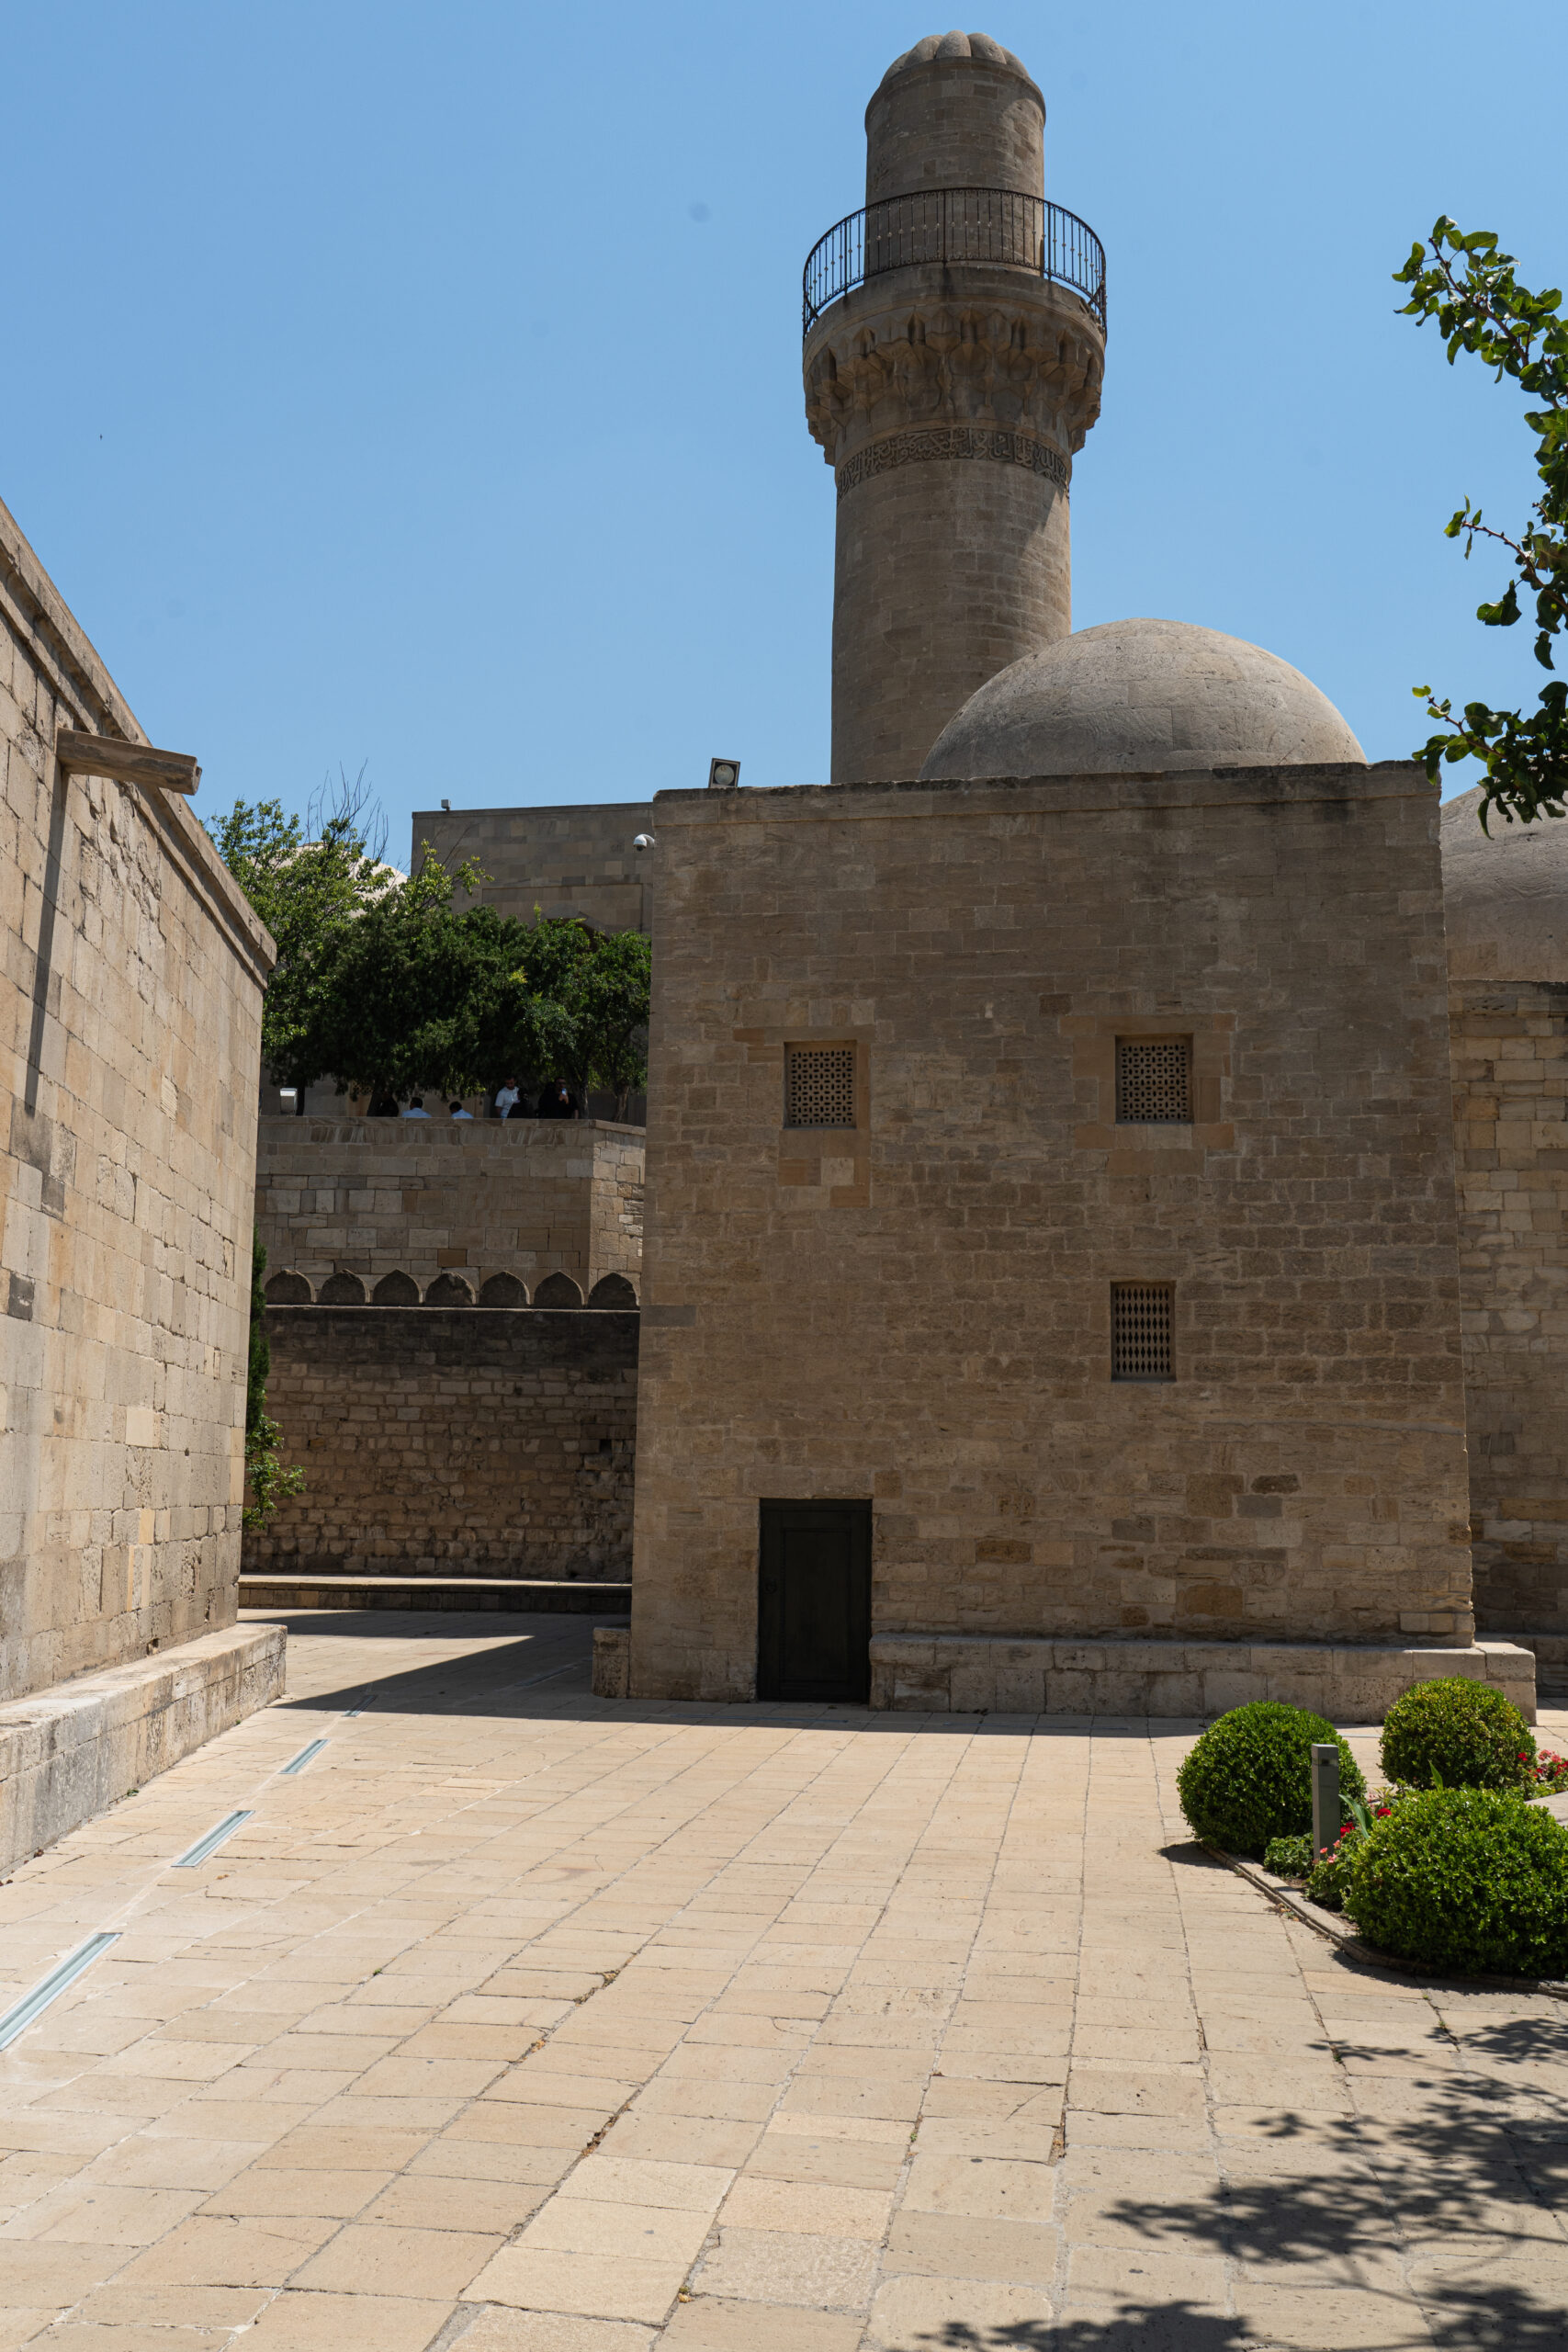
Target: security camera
(643, 841)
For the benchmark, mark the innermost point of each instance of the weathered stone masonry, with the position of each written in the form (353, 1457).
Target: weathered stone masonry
(457, 1440)
(917, 1311)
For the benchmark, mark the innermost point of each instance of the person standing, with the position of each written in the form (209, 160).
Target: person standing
(506, 1099)
(416, 1109)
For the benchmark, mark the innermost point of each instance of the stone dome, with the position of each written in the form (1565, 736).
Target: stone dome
(1505, 896)
(1140, 695)
(940, 45)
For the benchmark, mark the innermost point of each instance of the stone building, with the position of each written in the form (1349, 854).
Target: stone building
(1506, 901)
(130, 1027)
(1052, 1283)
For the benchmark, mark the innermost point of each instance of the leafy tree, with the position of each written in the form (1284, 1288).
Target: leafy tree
(265, 1476)
(414, 996)
(1468, 286)
(588, 998)
(306, 879)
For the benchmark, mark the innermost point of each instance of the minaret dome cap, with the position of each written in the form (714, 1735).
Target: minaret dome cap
(939, 48)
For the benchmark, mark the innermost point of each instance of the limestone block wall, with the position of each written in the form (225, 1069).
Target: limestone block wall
(1510, 1073)
(529, 1197)
(453, 1440)
(565, 861)
(917, 1310)
(130, 980)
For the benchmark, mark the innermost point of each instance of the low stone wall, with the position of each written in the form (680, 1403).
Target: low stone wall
(67, 1753)
(495, 1441)
(361, 1199)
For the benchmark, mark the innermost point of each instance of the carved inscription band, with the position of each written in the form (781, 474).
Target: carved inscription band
(952, 441)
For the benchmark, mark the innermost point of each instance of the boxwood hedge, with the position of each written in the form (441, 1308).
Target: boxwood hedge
(1469, 1881)
(1248, 1777)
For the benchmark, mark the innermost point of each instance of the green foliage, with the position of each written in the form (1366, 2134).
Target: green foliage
(589, 996)
(1468, 286)
(308, 879)
(1289, 1857)
(1455, 1733)
(1472, 1881)
(1248, 1778)
(265, 1476)
(384, 986)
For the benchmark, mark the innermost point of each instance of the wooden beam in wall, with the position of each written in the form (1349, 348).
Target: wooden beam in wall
(126, 762)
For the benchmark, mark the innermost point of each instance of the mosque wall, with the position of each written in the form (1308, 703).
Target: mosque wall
(815, 1300)
(452, 1441)
(130, 1031)
(1510, 1072)
(473, 1198)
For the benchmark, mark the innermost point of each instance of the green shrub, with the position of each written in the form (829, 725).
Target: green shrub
(1248, 1777)
(1289, 1857)
(1472, 1880)
(1455, 1733)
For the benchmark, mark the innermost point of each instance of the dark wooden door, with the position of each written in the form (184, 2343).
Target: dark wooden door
(814, 1602)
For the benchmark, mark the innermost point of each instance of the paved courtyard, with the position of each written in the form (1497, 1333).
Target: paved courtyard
(537, 2024)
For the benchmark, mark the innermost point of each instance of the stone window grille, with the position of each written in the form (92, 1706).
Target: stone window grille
(1154, 1081)
(819, 1086)
(1140, 1331)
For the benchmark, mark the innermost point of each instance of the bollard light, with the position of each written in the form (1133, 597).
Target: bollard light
(1324, 1795)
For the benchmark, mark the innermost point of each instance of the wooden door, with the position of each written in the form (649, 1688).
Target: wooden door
(814, 1602)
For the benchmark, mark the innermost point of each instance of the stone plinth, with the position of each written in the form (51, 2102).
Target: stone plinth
(67, 1753)
(1349, 1683)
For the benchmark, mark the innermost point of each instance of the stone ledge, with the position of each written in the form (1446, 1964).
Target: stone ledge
(585, 1596)
(1349, 1683)
(68, 1751)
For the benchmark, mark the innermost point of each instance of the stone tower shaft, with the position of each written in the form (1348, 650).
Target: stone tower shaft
(954, 347)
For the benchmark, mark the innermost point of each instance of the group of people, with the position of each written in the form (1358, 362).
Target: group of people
(555, 1101)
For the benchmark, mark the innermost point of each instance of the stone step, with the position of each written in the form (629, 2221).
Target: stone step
(583, 1596)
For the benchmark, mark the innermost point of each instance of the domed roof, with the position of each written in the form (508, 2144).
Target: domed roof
(1133, 696)
(1505, 896)
(979, 45)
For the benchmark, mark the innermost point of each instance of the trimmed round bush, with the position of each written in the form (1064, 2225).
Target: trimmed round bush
(1471, 1882)
(1248, 1777)
(1458, 1735)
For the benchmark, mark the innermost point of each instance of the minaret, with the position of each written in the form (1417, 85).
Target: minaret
(954, 345)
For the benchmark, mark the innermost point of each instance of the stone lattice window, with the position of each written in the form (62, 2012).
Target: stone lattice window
(1154, 1085)
(819, 1086)
(1140, 1331)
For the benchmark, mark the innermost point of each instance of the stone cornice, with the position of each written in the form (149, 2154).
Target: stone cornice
(1022, 357)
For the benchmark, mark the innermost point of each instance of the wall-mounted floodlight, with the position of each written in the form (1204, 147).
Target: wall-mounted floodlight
(643, 841)
(724, 775)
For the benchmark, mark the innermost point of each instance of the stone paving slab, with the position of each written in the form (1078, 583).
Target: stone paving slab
(529, 2022)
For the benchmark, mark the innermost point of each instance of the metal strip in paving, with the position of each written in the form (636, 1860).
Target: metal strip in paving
(195, 1855)
(33, 2005)
(297, 1763)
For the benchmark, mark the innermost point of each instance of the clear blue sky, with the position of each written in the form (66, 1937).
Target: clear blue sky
(420, 385)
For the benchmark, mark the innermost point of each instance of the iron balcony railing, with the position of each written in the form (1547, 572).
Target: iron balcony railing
(955, 225)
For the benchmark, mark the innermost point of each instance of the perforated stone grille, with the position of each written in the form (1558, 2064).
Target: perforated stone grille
(1140, 1331)
(1153, 1085)
(819, 1086)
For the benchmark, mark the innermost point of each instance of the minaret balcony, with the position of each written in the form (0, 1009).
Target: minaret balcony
(956, 225)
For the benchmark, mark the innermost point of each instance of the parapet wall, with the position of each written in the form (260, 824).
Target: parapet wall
(453, 1441)
(470, 1199)
(1509, 1043)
